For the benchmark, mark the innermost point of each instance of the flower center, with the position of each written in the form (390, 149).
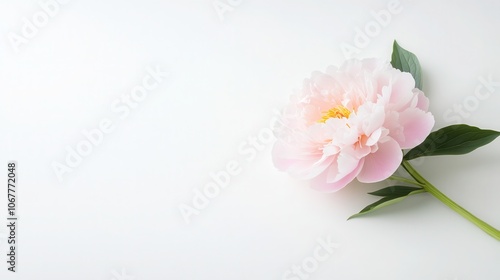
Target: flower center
(335, 112)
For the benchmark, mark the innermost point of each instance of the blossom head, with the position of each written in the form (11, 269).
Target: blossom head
(351, 122)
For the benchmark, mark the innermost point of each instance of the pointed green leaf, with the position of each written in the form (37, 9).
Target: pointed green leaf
(394, 191)
(452, 140)
(385, 201)
(407, 62)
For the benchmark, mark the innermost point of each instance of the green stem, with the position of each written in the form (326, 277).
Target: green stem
(450, 203)
(406, 180)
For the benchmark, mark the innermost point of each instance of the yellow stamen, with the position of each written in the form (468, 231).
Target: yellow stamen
(335, 112)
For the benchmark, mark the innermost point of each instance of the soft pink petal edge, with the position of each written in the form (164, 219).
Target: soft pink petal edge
(301, 165)
(383, 163)
(320, 183)
(417, 125)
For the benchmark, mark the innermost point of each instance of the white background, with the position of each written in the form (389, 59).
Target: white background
(116, 215)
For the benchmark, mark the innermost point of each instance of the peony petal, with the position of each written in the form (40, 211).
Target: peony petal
(346, 163)
(416, 125)
(376, 120)
(374, 137)
(285, 156)
(383, 163)
(320, 183)
(299, 163)
(402, 90)
(423, 101)
(309, 170)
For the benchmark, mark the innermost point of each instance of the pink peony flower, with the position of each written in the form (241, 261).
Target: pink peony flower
(351, 122)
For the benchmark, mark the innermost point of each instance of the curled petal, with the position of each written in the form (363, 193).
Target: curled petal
(321, 183)
(304, 164)
(383, 163)
(416, 125)
(422, 101)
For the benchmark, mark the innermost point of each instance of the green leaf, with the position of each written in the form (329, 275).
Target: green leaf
(395, 191)
(407, 62)
(456, 139)
(385, 201)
